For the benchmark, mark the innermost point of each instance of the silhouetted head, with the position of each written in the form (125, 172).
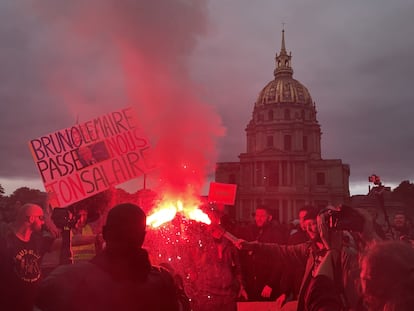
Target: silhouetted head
(30, 216)
(125, 227)
(387, 276)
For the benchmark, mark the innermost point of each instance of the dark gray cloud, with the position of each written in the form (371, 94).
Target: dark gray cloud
(79, 60)
(355, 57)
(26, 108)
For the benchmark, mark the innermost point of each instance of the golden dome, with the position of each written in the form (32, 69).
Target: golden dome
(284, 89)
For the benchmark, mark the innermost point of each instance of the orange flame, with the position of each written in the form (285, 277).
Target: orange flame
(167, 209)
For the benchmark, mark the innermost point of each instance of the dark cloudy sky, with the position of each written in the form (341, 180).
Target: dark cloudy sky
(198, 66)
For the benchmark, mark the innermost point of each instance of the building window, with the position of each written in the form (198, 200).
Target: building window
(259, 174)
(320, 179)
(272, 173)
(246, 209)
(287, 142)
(287, 114)
(269, 142)
(305, 143)
(260, 117)
(273, 206)
(270, 115)
(303, 114)
(284, 166)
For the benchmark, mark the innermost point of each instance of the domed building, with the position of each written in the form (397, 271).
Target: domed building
(282, 167)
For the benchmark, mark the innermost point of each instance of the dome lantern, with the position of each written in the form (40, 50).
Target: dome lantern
(283, 60)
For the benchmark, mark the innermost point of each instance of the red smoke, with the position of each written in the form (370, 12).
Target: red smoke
(108, 54)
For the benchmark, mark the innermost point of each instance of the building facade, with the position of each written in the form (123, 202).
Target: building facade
(282, 167)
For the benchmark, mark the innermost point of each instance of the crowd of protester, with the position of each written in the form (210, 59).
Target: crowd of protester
(320, 263)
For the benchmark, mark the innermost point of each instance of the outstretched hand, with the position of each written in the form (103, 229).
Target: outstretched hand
(280, 301)
(243, 293)
(244, 245)
(266, 291)
(239, 243)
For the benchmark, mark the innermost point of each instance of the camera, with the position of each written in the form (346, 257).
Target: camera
(344, 218)
(63, 218)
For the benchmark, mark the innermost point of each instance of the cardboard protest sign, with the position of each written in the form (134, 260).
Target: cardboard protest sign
(222, 193)
(88, 158)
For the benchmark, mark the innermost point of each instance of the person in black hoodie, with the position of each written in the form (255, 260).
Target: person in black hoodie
(261, 271)
(121, 277)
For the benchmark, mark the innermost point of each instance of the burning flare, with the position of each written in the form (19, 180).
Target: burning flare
(167, 209)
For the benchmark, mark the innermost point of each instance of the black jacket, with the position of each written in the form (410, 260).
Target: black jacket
(109, 283)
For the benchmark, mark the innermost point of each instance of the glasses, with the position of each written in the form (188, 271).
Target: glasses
(41, 217)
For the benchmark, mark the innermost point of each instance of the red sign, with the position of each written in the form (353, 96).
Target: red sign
(266, 306)
(222, 193)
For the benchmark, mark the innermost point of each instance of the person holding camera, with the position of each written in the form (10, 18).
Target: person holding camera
(386, 274)
(84, 241)
(75, 239)
(323, 241)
